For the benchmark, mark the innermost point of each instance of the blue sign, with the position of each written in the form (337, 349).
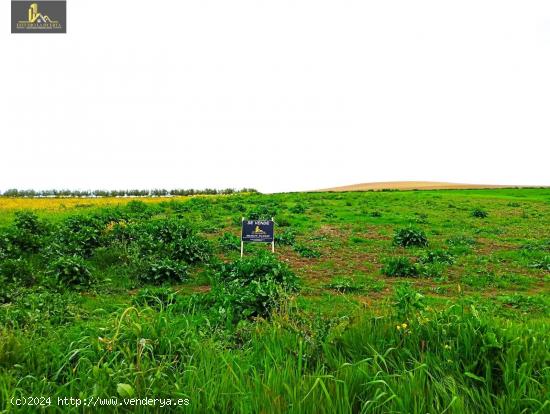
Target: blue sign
(258, 231)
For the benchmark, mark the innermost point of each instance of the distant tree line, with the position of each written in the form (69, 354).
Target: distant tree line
(121, 193)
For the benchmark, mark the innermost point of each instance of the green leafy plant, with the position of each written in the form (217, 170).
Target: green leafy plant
(410, 237)
(229, 242)
(541, 263)
(479, 213)
(407, 300)
(262, 212)
(28, 221)
(18, 271)
(22, 241)
(71, 271)
(77, 235)
(41, 308)
(306, 251)
(193, 249)
(437, 256)
(286, 237)
(250, 287)
(400, 266)
(298, 208)
(158, 271)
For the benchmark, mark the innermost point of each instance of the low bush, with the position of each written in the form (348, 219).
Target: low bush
(18, 271)
(229, 242)
(433, 270)
(158, 271)
(71, 271)
(193, 249)
(27, 221)
(250, 287)
(262, 213)
(541, 263)
(41, 307)
(306, 251)
(400, 266)
(479, 213)
(22, 241)
(78, 235)
(286, 237)
(298, 209)
(410, 237)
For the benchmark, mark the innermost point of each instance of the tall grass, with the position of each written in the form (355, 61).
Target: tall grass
(414, 359)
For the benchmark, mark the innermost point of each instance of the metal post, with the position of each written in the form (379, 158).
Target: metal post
(242, 243)
(273, 242)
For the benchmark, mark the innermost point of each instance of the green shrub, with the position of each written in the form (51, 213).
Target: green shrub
(158, 271)
(479, 213)
(410, 237)
(264, 266)
(20, 240)
(407, 301)
(78, 235)
(7, 246)
(306, 251)
(250, 287)
(18, 271)
(286, 237)
(229, 242)
(433, 270)
(262, 213)
(27, 221)
(282, 221)
(137, 207)
(400, 266)
(168, 230)
(7, 290)
(41, 308)
(298, 209)
(71, 271)
(193, 249)
(541, 263)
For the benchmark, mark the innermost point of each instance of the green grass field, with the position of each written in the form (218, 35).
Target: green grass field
(375, 302)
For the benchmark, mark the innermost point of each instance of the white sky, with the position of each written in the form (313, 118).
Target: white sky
(277, 95)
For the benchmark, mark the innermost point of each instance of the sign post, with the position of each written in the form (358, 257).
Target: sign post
(242, 242)
(257, 231)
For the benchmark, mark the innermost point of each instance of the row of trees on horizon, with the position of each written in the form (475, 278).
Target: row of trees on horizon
(121, 193)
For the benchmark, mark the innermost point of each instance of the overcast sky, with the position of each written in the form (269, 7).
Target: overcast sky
(277, 95)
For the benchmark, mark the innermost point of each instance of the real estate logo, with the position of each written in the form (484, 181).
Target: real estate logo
(38, 16)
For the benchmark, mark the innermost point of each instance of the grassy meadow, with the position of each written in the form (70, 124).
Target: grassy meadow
(374, 302)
